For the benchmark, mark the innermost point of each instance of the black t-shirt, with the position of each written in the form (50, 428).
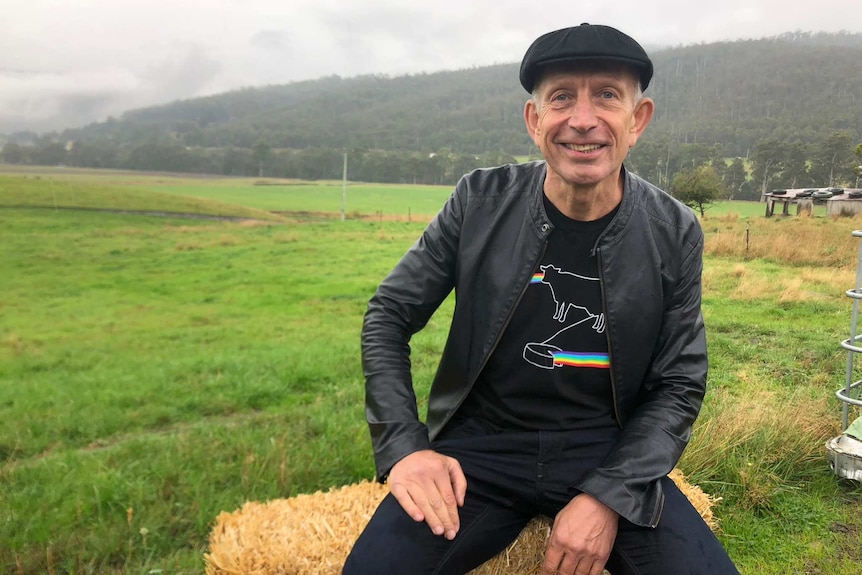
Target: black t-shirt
(550, 370)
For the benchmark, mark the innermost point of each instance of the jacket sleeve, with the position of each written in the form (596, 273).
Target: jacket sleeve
(657, 431)
(402, 305)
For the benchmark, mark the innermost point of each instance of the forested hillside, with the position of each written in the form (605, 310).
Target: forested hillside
(717, 100)
(738, 93)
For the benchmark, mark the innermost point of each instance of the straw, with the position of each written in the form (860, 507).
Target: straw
(312, 534)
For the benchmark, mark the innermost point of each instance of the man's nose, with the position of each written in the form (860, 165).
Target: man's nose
(583, 115)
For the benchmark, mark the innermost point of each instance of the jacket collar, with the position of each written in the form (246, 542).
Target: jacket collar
(542, 223)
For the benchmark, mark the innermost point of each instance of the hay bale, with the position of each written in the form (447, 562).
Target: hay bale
(313, 534)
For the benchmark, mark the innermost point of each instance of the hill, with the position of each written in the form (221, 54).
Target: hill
(795, 86)
(727, 96)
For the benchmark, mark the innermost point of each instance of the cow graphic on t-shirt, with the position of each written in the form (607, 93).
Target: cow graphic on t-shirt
(545, 354)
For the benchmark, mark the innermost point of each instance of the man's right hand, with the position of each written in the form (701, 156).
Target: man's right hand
(430, 487)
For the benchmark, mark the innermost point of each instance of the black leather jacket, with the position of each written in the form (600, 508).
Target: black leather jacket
(485, 243)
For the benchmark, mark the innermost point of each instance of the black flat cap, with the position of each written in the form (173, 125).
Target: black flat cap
(584, 42)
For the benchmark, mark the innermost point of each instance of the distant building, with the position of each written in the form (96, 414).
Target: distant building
(838, 201)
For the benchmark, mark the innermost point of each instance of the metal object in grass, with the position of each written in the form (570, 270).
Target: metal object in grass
(845, 451)
(845, 456)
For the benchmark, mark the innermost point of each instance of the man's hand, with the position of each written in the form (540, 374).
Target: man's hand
(430, 487)
(581, 539)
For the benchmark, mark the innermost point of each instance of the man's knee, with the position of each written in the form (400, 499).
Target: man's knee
(392, 542)
(682, 543)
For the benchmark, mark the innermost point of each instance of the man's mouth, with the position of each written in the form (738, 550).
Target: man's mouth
(583, 147)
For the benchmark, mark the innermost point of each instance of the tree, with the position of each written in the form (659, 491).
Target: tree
(92, 155)
(51, 154)
(261, 152)
(735, 177)
(832, 161)
(12, 153)
(697, 187)
(156, 156)
(767, 163)
(795, 173)
(236, 162)
(858, 168)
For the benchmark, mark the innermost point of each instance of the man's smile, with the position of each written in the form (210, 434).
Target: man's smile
(583, 147)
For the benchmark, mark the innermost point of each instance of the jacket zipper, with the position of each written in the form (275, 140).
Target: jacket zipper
(660, 505)
(608, 337)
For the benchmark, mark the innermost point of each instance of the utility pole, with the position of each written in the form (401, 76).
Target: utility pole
(344, 189)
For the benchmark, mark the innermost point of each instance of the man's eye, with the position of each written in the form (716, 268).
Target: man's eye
(608, 95)
(560, 98)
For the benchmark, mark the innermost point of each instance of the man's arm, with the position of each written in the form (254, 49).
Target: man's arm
(429, 486)
(401, 306)
(657, 431)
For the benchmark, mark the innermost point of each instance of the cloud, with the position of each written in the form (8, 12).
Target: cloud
(37, 100)
(191, 73)
(91, 58)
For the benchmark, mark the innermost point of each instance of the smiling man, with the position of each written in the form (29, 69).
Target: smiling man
(576, 360)
(584, 121)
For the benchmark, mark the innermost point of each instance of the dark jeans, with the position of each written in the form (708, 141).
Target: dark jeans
(512, 477)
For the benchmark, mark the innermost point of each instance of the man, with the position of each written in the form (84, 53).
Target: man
(576, 359)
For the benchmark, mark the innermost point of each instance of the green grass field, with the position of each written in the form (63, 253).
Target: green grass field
(75, 187)
(155, 371)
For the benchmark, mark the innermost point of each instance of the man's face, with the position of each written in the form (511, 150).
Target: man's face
(585, 121)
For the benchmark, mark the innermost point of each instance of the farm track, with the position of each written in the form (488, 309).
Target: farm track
(161, 214)
(297, 216)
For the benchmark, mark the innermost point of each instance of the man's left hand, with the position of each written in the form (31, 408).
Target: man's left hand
(581, 539)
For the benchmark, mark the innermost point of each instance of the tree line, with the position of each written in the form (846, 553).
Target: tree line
(435, 168)
(834, 161)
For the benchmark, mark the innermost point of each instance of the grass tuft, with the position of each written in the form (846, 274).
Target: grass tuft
(759, 444)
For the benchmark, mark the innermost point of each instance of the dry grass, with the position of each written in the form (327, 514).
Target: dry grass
(188, 247)
(746, 281)
(814, 283)
(312, 534)
(255, 224)
(286, 237)
(14, 343)
(224, 240)
(810, 241)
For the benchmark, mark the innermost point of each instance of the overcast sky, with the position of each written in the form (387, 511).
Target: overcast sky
(65, 63)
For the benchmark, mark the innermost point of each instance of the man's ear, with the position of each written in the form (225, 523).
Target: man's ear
(642, 114)
(531, 119)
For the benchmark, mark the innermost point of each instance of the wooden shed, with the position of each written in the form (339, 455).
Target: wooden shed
(844, 205)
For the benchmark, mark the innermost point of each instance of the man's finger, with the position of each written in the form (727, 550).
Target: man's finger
(553, 556)
(446, 507)
(426, 496)
(459, 482)
(570, 566)
(403, 497)
(588, 568)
